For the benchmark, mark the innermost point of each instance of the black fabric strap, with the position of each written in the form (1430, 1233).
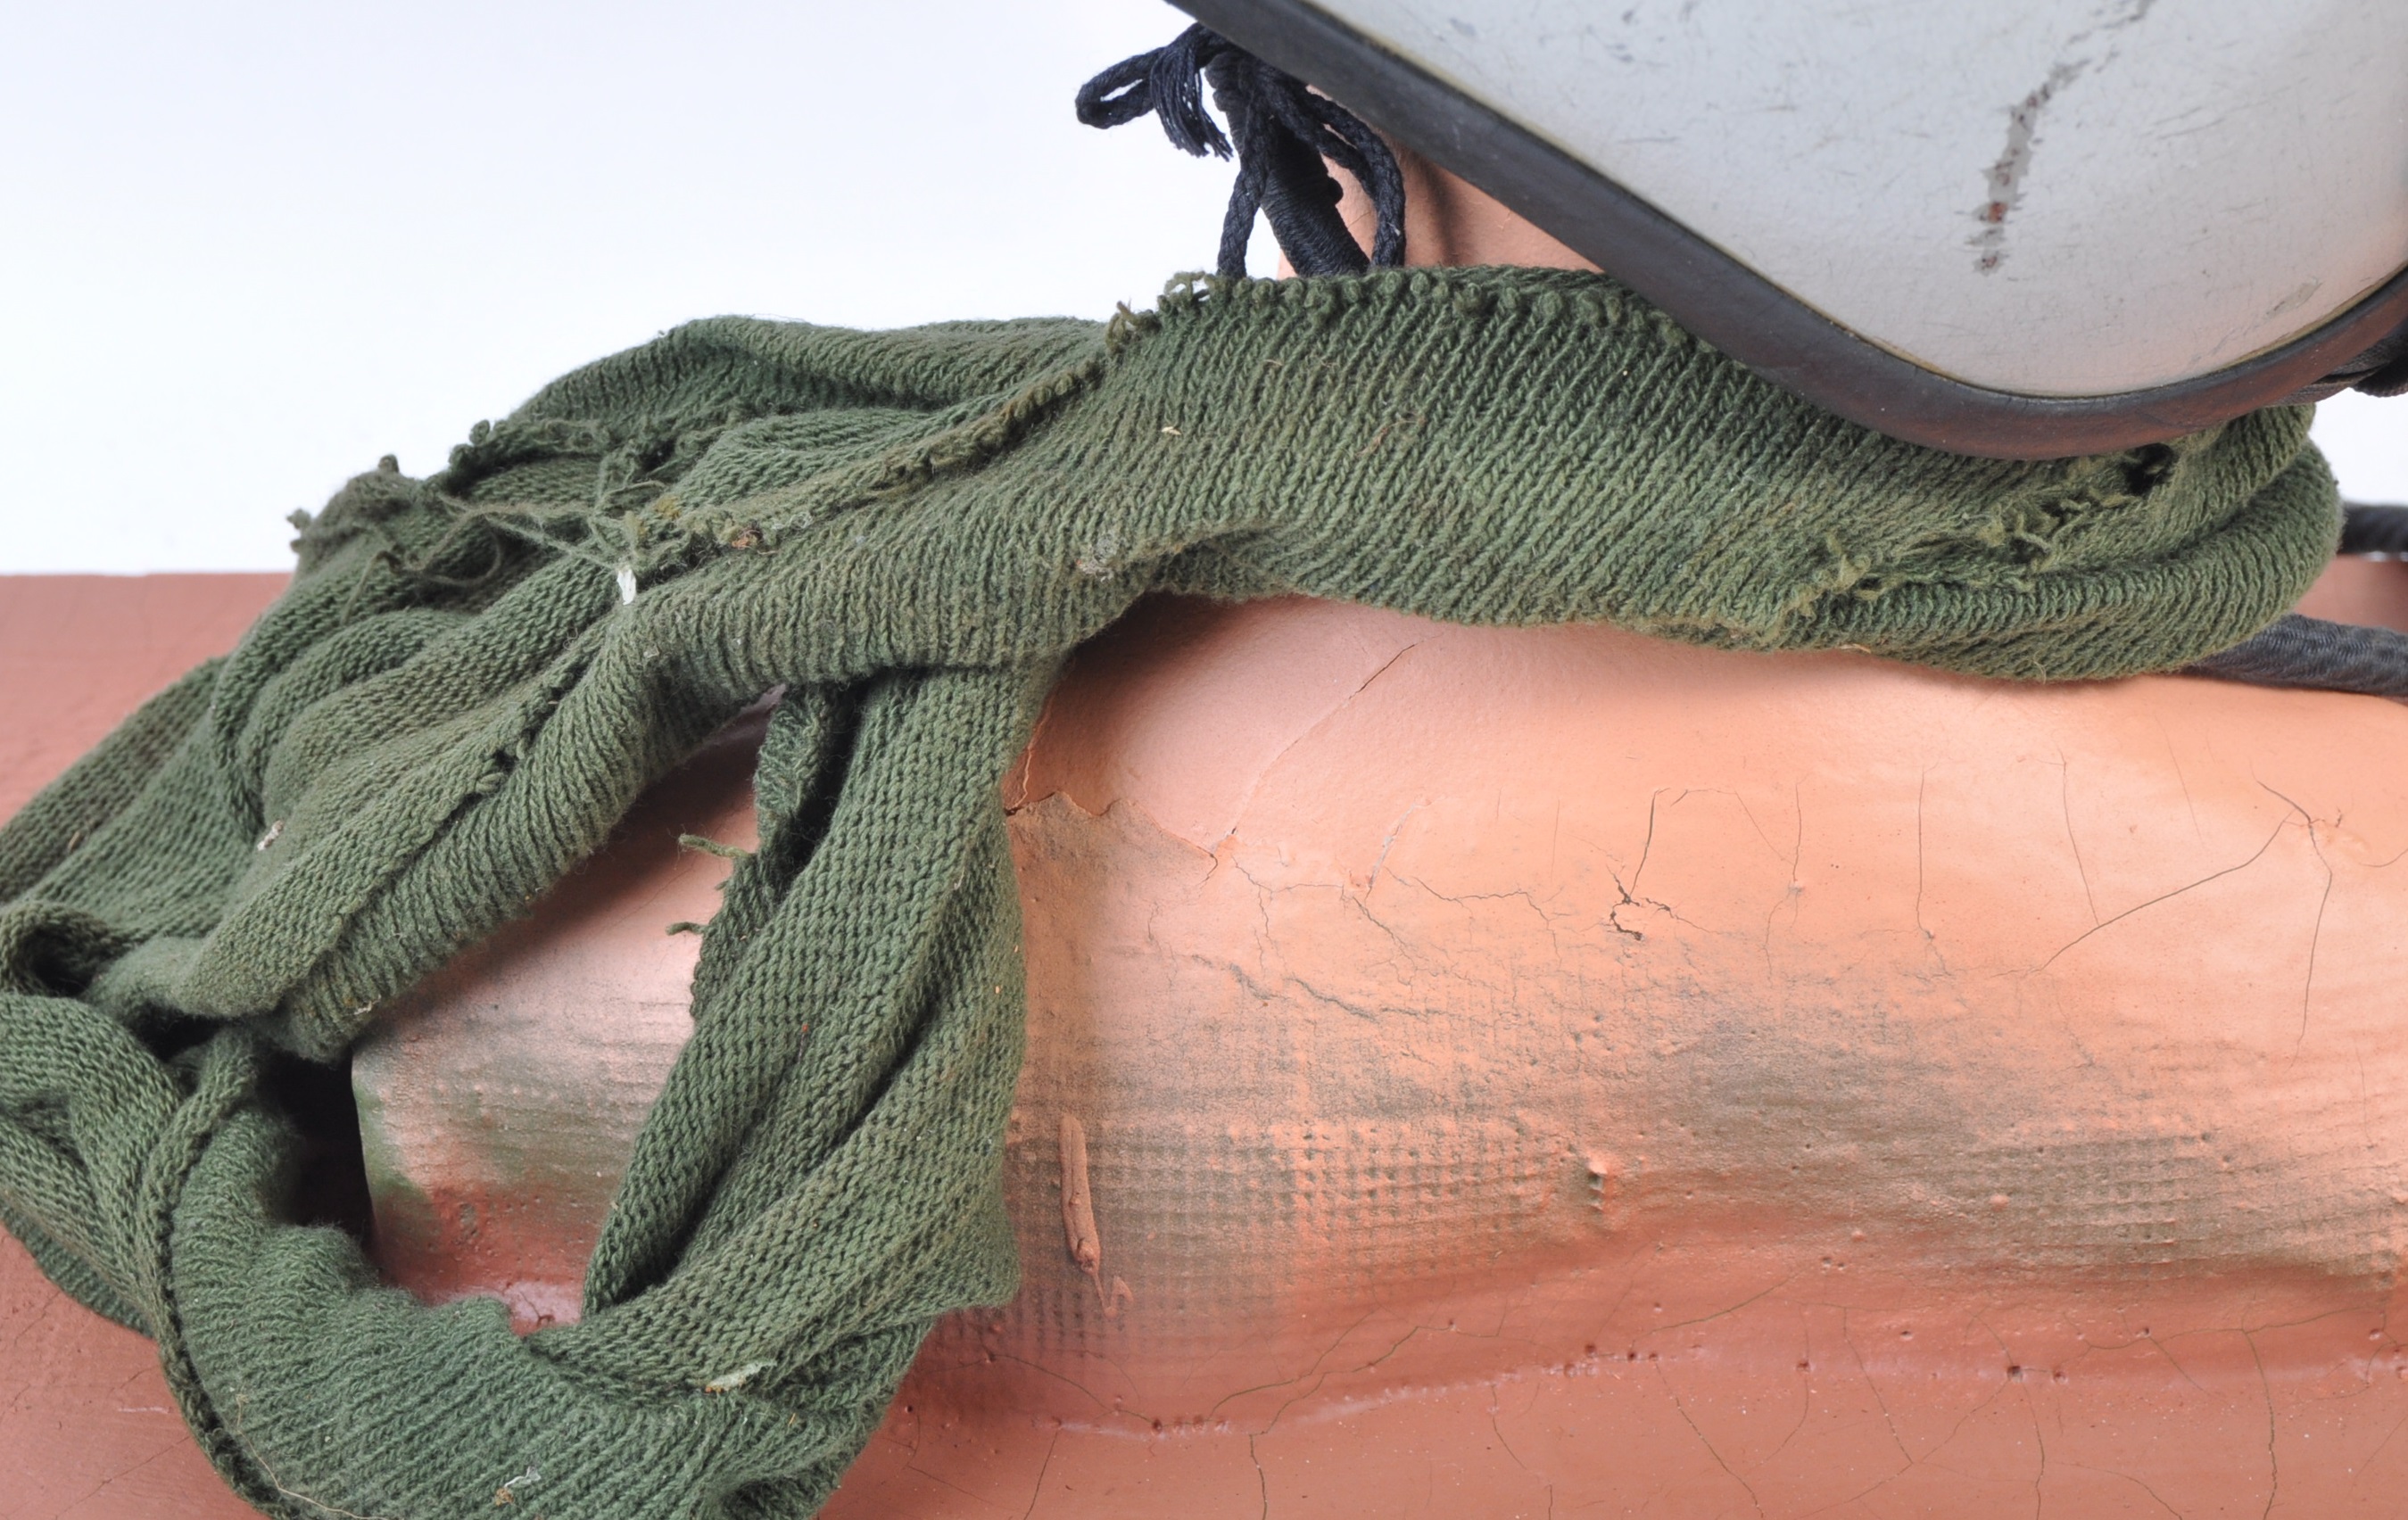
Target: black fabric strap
(2313, 652)
(2375, 530)
(2321, 654)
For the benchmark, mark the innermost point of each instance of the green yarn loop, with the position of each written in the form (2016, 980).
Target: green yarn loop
(473, 675)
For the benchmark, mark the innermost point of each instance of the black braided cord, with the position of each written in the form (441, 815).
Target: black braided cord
(1284, 133)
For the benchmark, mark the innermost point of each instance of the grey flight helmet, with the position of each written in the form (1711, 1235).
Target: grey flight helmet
(2027, 230)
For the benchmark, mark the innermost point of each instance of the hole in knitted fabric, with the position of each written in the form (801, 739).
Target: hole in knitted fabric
(2143, 467)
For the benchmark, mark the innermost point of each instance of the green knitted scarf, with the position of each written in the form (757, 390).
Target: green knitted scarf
(474, 675)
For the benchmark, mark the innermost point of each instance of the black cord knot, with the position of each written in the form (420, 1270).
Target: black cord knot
(1282, 133)
(1167, 82)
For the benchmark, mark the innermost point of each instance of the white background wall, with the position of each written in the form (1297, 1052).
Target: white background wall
(2367, 441)
(246, 247)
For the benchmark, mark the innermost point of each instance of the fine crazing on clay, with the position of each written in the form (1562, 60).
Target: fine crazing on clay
(1835, 1080)
(1971, 1137)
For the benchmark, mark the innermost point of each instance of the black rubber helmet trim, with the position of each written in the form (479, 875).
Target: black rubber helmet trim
(1738, 310)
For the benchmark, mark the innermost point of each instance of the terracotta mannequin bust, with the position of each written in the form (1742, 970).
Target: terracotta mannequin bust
(1483, 1072)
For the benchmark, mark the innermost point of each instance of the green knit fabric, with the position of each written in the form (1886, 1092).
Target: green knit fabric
(473, 676)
